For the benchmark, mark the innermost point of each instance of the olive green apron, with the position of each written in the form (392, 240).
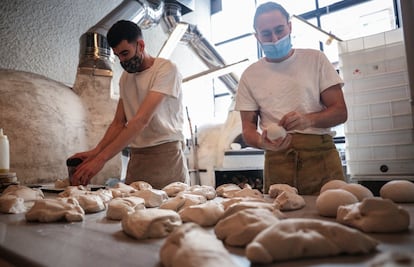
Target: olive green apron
(308, 163)
(158, 165)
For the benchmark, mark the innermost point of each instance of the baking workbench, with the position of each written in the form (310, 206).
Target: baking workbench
(98, 241)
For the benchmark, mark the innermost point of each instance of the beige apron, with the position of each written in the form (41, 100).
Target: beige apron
(308, 163)
(158, 165)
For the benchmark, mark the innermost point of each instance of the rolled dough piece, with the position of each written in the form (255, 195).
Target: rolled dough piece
(12, 204)
(236, 207)
(118, 207)
(182, 200)
(204, 190)
(150, 223)
(289, 201)
(206, 214)
(153, 197)
(240, 228)
(276, 189)
(374, 215)
(225, 188)
(360, 191)
(27, 193)
(400, 191)
(303, 238)
(192, 246)
(275, 131)
(327, 203)
(140, 185)
(174, 188)
(52, 210)
(332, 184)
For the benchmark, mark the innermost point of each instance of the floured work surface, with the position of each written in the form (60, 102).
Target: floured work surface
(98, 241)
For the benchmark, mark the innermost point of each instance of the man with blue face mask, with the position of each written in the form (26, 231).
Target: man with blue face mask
(148, 119)
(300, 91)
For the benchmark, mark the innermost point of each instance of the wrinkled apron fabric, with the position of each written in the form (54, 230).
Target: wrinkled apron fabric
(308, 163)
(158, 165)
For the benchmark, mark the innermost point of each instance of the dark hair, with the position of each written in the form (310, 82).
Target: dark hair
(266, 7)
(123, 30)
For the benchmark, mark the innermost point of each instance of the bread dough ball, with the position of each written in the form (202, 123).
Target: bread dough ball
(399, 191)
(91, 203)
(204, 190)
(245, 192)
(276, 189)
(304, 238)
(240, 228)
(206, 214)
(230, 201)
(122, 190)
(174, 188)
(226, 188)
(150, 223)
(182, 200)
(327, 203)
(192, 246)
(153, 197)
(140, 185)
(360, 191)
(53, 210)
(275, 131)
(118, 207)
(332, 184)
(12, 204)
(236, 207)
(62, 183)
(27, 193)
(289, 201)
(374, 215)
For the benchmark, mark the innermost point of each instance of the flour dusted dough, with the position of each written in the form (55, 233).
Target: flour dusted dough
(91, 203)
(299, 238)
(150, 223)
(182, 200)
(240, 228)
(226, 188)
(276, 189)
(236, 207)
(245, 192)
(360, 191)
(174, 188)
(332, 184)
(153, 197)
(289, 201)
(374, 215)
(206, 214)
(12, 204)
(27, 193)
(118, 207)
(122, 190)
(327, 203)
(230, 201)
(62, 183)
(52, 210)
(204, 190)
(400, 191)
(275, 131)
(140, 185)
(192, 246)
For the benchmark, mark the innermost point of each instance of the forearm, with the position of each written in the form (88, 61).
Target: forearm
(327, 118)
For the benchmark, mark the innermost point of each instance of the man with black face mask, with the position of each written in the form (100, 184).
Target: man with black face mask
(299, 90)
(148, 119)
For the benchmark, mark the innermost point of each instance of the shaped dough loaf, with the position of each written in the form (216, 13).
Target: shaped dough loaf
(204, 190)
(140, 185)
(118, 207)
(276, 189)
(226, 188)
(240, 228)
(150, 223)
(374, 215)
(27, 193)
(52, 210)
(359, 191)
(192, 246)
(228, 202)
(300, 238)
(247, 205)
(400, 191)
(289, 201)
(206, 214)
(153, 197)
(327, 203)
(332, 184)
(174, 188)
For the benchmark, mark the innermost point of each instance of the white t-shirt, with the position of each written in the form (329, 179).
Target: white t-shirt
(167, 122)
(294, 84)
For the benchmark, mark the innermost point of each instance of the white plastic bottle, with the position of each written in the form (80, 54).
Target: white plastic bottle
(4, 153)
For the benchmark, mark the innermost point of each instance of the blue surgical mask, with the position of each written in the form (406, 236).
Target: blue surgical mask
(278, 49)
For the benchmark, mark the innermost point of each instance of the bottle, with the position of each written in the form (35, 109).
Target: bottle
(4, 153)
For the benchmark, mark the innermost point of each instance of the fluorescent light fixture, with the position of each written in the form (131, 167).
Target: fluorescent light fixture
(217, 71)
(325, 36)
(173, 39)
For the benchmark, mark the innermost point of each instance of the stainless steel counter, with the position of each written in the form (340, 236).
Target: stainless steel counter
(100, 242)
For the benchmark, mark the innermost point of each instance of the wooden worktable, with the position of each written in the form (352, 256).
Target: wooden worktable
(98, 241)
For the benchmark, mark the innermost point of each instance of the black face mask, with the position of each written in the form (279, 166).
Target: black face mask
(133, 64)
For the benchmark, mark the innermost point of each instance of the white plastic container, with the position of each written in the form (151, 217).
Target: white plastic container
(4, 153)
